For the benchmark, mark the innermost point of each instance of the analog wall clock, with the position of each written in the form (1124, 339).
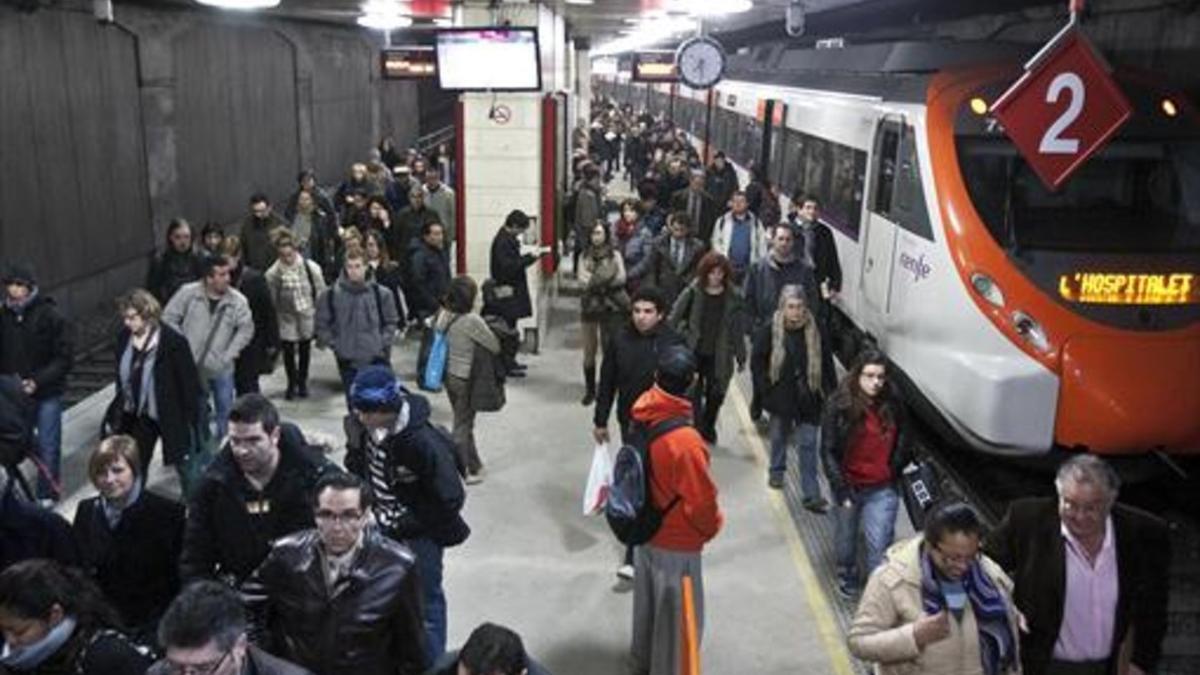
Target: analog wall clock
(700, 62)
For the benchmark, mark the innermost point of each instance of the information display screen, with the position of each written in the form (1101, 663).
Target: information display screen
(407, 63)
(654, 67)
(489, 59)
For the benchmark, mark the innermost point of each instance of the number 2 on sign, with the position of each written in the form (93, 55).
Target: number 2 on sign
(1052, 142)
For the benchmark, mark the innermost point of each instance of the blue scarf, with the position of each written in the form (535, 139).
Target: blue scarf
(997, 644)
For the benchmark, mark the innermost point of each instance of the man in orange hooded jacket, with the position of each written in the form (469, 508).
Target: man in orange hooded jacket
(683, 489)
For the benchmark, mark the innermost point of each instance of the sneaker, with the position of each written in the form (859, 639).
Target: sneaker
(474, 478)
(588, 399)
(775, 482)
(625, 572)
(846, 590)
(816, 505)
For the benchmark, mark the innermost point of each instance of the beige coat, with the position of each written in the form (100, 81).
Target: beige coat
(882, 630)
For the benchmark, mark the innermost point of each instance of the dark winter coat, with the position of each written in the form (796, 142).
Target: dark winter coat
(258, 240)
(368, 625)
(322, 200)
(836, 431)
(177, 390)
(36, 344)
(94, 651)
(136, 564)
(257, 358)
(507, 267)
(630, 359)
(29, 531)
(422, 471)
(687, 318)
(171, 270)
(709, 212)
(721, 184)
(430, 278)
(766, 279)
(231, 524)
(825, 257)
(790, 397)
(405, 231)
(260, 663)
(665, 274)
(1028, 544)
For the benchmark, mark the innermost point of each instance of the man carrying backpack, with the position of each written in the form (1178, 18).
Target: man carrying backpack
(357, 318)
(627, 370)
(410, 466)
(682, 490)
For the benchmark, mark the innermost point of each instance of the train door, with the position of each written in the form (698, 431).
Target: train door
(880, 229)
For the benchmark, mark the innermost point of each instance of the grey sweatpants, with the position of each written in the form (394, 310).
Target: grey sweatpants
(658, 607)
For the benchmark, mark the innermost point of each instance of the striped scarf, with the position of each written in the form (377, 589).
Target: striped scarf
(997, 644)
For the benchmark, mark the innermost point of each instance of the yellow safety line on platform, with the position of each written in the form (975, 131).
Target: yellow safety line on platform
(818, 605)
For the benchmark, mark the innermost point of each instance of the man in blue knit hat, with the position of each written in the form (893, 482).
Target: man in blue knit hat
(410, 466)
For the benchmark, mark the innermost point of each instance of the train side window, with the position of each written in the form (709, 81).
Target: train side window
(908, 200)
(886, 151)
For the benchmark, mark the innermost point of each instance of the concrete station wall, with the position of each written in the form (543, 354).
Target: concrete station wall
(109, 131)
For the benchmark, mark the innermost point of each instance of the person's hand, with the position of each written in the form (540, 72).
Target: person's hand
(932, 628)
(600, 434)
(29, 387)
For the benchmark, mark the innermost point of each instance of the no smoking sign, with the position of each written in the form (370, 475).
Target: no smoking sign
(1063, 109)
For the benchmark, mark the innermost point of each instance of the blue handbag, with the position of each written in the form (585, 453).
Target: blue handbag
(435, 365)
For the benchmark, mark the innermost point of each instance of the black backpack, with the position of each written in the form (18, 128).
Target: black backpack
(630, 510)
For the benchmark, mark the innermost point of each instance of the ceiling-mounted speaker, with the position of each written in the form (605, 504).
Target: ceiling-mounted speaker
(103, 11)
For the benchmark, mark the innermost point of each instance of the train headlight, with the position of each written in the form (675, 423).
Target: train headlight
(1029, 329)
(987, 289)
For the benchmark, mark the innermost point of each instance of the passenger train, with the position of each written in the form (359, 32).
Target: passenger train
(1024, 321)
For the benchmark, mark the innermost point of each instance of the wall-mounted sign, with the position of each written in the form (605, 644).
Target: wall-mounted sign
(408, 63)
(654, 67)
(1104, 288)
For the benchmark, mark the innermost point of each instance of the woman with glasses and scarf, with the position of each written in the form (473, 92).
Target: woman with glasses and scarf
(56, 622)
(936, 606)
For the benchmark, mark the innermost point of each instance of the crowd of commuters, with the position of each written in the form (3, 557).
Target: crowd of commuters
(281, 561)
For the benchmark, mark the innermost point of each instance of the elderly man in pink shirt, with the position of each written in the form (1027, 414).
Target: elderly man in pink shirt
(1089, 575)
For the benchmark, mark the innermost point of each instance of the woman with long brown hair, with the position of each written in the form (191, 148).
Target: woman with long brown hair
(710, 316)
(864, 446)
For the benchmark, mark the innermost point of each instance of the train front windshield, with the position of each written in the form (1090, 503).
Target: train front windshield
(1135, 196)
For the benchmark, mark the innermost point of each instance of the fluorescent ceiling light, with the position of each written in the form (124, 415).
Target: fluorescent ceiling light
(384, 15)
(240, 4)
(710, 7)
(646, 34)
(581, 2)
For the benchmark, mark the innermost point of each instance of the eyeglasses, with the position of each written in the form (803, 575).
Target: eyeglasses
(955, 559)
(197, 668)
(332, 518)
(1083, 508)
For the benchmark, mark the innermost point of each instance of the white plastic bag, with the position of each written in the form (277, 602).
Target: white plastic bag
(598, 482)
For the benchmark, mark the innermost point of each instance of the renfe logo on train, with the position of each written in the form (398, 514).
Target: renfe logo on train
(1104, 288)
(1063, 109)
(919, 268)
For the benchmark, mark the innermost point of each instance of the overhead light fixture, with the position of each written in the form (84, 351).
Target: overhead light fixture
(1169, 108)
(240, 4)
(383, 15)
(710, 7)
(646, 34)
(581, 2)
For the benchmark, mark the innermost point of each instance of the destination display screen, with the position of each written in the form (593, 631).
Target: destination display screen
(654, 67)
(1107, 288)
(407, 63)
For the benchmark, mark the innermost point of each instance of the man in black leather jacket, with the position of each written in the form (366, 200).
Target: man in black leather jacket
(342, 598)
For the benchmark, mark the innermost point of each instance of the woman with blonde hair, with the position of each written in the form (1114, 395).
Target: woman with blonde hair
(786, 368)
(295, 284)
(129, 538)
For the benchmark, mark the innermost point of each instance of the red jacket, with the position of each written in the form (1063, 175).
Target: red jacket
(679, 467)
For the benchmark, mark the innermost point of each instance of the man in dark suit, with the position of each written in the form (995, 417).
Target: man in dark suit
(511, 289)
(700, 206)
(1090, 575)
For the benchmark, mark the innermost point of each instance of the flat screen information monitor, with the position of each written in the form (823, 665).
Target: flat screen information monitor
(408, 63)
(489, 59)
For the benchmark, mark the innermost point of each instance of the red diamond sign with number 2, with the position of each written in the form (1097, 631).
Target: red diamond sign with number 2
(1063, 110)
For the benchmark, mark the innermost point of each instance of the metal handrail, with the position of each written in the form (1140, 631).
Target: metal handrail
(435, 138)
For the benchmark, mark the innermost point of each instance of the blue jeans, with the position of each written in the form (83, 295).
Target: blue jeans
(785, 432)
(48, 422)
(874, 512)
(221, 388)
(429, 574)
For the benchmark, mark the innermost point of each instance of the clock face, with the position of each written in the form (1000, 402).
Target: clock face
(701, 63)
